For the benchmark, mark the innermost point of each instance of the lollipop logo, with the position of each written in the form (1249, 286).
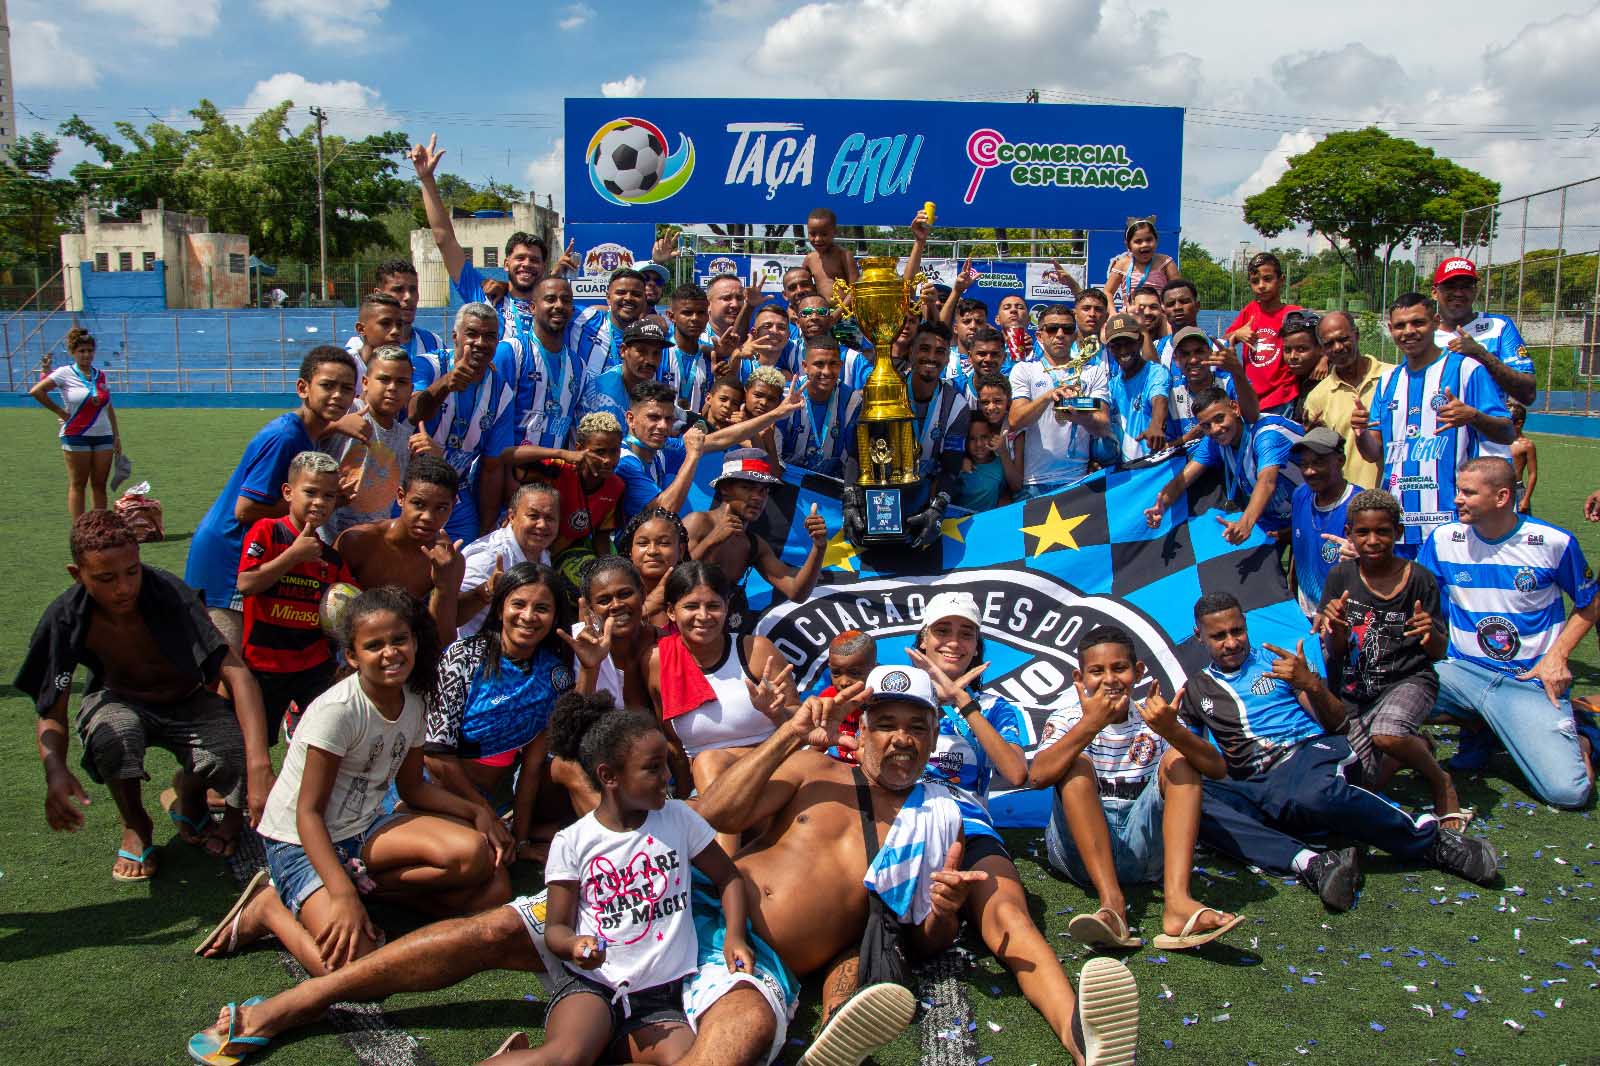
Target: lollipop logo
(982, 149)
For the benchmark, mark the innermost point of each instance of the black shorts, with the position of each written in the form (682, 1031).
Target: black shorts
(980, 847)
(657, 1005)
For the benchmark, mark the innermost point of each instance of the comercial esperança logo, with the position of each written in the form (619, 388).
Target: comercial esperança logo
(629, 164)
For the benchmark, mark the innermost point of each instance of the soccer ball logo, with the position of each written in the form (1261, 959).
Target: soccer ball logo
(629, 164)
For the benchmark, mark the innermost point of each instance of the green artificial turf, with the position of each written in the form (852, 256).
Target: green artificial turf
(98, 972)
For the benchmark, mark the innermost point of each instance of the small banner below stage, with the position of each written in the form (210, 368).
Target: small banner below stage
(1044, 571)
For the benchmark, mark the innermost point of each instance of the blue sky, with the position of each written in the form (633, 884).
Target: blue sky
(1505, 92)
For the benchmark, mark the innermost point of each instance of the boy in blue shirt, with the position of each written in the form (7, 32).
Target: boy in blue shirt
(1254, 454)
(820, 434)
(326, 387)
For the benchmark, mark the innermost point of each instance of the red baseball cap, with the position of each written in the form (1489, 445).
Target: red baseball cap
(1455, 267)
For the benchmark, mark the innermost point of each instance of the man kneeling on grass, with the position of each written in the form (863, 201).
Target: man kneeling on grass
(1126, 780)
(152, 654)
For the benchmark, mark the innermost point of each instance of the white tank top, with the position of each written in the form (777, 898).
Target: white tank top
(730, 720)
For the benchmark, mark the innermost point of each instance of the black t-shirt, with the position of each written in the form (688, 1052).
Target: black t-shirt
(1379, 653)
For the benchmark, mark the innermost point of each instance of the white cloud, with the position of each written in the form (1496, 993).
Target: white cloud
(354, 110)
(164, 22)
(322, 23)
(41, 58)
(1351, 79)
(632, 85)
(546, 175)
(575, 15)
(1275, 162)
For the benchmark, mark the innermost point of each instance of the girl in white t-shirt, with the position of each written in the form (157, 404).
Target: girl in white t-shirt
(88, 433)
(329, 840)
(619, 884)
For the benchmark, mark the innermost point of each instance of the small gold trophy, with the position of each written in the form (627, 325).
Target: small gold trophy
(886, 444)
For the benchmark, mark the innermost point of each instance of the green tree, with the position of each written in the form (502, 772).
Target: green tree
(259, 179)
(34, 207)
(1369, 194)
(459, 194)
(1209, 276)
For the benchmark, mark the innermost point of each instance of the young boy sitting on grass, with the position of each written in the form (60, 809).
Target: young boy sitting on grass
(283, 572)
(152, 657)
(1126, 804)
(1382, 630)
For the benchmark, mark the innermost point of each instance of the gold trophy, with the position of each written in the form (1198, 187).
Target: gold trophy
(886, 444)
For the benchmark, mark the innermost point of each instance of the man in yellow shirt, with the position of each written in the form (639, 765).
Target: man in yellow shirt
(1351, 376)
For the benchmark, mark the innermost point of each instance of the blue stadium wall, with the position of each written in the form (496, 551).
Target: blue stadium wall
(123, 291)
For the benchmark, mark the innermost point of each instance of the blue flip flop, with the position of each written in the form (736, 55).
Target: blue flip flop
(142, 859)
(204, 1047)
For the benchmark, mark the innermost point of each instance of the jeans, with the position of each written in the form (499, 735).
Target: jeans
(1137, 844)
(1541, 737)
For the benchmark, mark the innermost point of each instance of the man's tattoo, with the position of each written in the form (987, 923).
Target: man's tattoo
(843, 981)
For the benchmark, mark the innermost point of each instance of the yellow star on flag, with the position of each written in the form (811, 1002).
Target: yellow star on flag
(1055, 531)
(954, 528)
(839, 553)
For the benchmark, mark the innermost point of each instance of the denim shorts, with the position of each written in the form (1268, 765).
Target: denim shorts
(292, 873)
(657, 1005)
(77, 442)
(1136, 840)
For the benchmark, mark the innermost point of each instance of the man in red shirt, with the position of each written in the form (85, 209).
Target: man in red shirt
(284, 569)
(1257, 328)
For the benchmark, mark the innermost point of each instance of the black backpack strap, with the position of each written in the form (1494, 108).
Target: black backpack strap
(869, 824)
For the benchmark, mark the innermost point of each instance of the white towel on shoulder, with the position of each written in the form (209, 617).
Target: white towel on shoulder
(902, 872)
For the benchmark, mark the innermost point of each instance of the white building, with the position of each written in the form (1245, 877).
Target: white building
(484, 241)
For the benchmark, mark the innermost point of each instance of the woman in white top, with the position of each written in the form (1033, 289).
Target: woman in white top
(88, 433)
(329, 841)
(718, 694)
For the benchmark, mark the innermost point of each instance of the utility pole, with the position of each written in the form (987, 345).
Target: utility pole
(322, 226)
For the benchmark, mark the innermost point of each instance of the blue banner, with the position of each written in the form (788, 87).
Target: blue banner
(1044, 571)
(872, 162)
(602, 249)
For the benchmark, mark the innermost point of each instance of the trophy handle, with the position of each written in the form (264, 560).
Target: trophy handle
(842, 291)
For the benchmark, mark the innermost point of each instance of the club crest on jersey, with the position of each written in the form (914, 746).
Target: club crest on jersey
(561, 679)
(1498, 638)
(1142, 750)
(1330, 551)
(1264, 685)
(1525, 581)
(1437, 400)
(579, 521)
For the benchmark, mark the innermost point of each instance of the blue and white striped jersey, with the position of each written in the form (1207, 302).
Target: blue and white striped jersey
(549, 387)
(1420, 458)
(1265, 442)
(1498, 334)
(1504, 596)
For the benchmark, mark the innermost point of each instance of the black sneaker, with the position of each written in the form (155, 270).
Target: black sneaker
(1334, 876)
(1470, 858)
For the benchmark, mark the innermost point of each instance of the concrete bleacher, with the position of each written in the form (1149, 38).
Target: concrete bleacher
(190, 352)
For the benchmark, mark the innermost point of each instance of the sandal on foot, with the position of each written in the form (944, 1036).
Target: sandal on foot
(1096, 932)
(230, 921)
(205, 1048)
(190, 830)
(517, 1041)
(1457, 820)
(1106, 1022)
(866, 1022)
(143, 859)
(1190, 938)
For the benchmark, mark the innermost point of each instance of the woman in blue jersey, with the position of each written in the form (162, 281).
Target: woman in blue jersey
(88, 433)
(980, 735)
(488, 713)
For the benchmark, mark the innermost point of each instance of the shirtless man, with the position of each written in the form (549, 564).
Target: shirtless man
(722, 535)
(814, 837)
(412, 551)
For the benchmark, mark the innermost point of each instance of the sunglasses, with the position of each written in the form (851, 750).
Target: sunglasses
(815, 312)
(1058, 329)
